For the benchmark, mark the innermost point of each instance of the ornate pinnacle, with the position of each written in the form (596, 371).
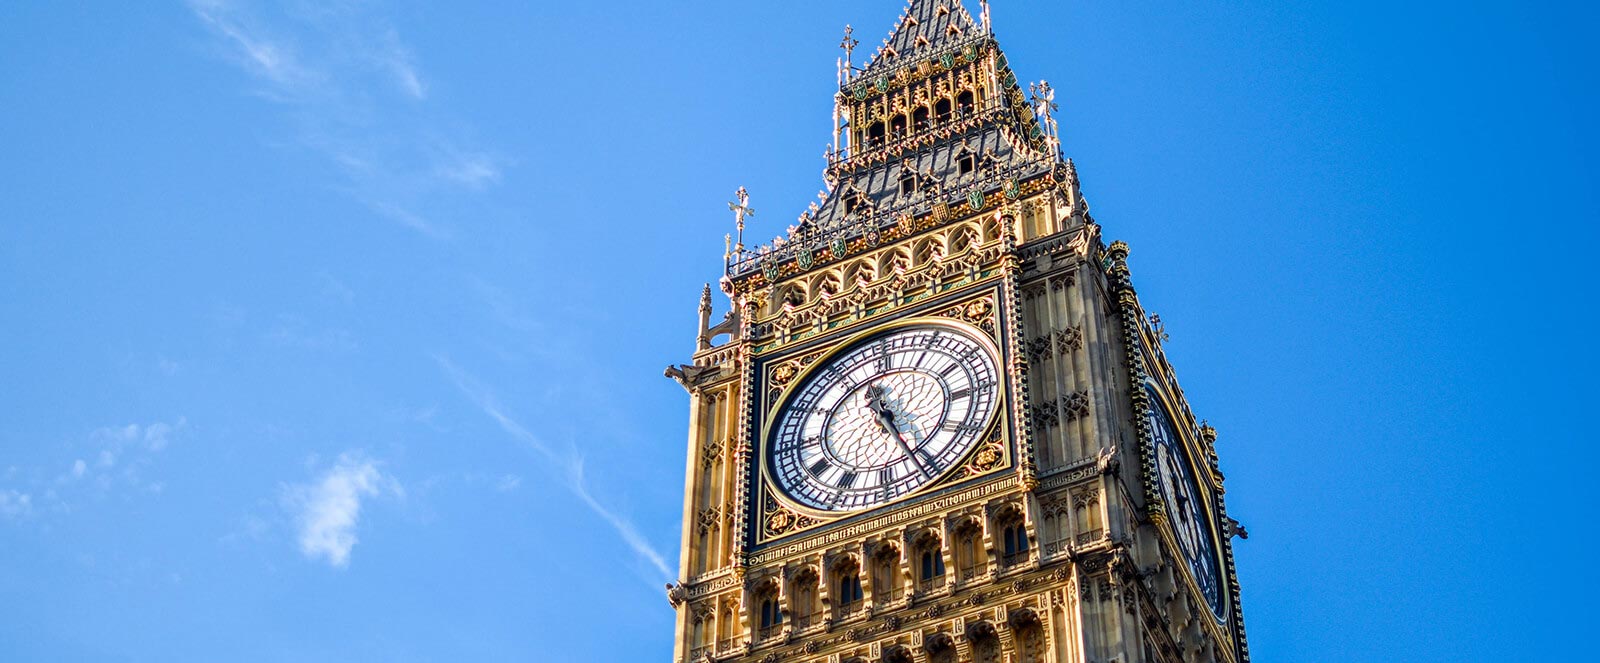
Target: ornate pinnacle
(849, 45)
(705, 298)
(1118, 250)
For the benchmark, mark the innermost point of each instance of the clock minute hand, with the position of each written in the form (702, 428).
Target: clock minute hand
(886, 420)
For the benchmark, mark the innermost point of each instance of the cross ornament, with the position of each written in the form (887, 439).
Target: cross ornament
(741, 211)
(849, 45)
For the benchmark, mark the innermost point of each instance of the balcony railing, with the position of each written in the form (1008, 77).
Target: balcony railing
(848, 610)
(1014, 559)
(803, 622)
(887, 596)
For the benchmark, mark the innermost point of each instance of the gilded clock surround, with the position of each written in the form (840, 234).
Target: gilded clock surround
(947, 199)
(779, 516)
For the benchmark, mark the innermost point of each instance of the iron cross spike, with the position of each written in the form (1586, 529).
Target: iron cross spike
(741, 211)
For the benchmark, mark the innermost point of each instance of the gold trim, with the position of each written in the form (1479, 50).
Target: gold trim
(849, 343)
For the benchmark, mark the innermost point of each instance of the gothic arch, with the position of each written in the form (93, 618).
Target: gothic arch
(941, 648)
(1028, 637)
(898, 654)
(985, 642)
(805, 600)
(967, 544)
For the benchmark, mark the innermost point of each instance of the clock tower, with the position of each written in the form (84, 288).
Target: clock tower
(937, 424)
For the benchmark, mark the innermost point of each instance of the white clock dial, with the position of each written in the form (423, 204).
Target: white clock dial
(884, 418)
(1186, 510)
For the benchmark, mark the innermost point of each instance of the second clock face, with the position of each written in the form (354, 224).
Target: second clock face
(1187, 511)
(883, 418)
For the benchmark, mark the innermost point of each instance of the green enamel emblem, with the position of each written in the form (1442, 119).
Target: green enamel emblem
(860, 92)
(882, 83)
(1012, 189)
(839, 247)
(770, 269)
(805, 258)
(948, 60)
(975, 200)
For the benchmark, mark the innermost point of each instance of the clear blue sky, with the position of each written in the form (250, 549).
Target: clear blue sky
(333, 331)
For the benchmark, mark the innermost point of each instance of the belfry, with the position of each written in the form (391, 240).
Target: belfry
(936, 425)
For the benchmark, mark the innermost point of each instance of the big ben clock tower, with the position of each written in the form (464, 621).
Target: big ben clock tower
(936, 424)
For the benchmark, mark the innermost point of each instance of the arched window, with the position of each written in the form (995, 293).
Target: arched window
(1016, 544)
(964, 104)
(932, 567)
(919, 119)
(770, 622)
(941, 110)
(897, 127)
(886, 583)
(969, 551)
(875, 134)
(850, 590)
(804, 603)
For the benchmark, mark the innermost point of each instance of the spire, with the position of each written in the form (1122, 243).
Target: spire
(703, 339)
(925, 27)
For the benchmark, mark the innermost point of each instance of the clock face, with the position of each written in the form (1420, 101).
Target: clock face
(883, 418)
(1187, 510)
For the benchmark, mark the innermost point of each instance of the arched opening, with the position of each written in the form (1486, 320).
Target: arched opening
(1014, 545)
(898, 654)
(697, 634)
(941, 110)
(770, 622)
(930, 567)
(875, 134)
(897, 127)
(1028, 635)
(804, 604)
(969, 551)
(985, 643)
(886, 585)
(920, 119)
(847, 595)
(726, 637)
(964, 104)
(941, 648)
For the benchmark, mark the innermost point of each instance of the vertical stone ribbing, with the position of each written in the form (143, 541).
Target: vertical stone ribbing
(743, 444)
(1016, 357)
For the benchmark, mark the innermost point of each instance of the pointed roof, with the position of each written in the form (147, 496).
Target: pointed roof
(926, 27)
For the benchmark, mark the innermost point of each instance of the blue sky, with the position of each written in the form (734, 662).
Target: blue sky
(333, 331)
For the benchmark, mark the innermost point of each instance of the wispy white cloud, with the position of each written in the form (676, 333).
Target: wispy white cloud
(327, 510)
(569, 467)
(354, 89)
(292, 331)
(15, 504)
